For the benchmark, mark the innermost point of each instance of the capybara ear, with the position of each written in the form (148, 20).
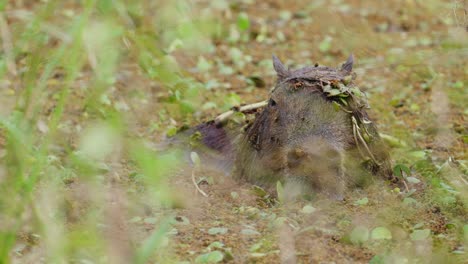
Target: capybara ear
(348, 65)
(281, 71)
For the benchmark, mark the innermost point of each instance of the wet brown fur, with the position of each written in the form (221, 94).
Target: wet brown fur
(301, 138)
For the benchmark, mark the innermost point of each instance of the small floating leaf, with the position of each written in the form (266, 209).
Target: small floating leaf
(420, 234)
(359, 235)
(203, 65)
(249, 232)
(308, 209)
(362, 201)
(217, 230)
(380, 233)
(211, 257)
(243, 22)
(234, 195)
(216, 244)
(325, 45)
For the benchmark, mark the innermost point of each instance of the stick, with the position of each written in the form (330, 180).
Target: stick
(245, 108)
(363, 141)
(196, 185)
(406, 185)
(463, 180)
(357, 141)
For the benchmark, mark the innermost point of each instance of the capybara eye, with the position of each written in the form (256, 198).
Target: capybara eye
(272, 102)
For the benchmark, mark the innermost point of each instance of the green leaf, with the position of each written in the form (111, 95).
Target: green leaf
(377, 260)
(420, 234)
(175, 44)
(195, 159)
(249, 232)
(203, 65)
(413, 180)
(225, 70)
(280, 221)
(362, 201)
(150, 220)
(325, 45)
(380, 233)
(393, 141)
(359, 235)
(326, 88)
(399, 169)
(285, 15)
(259, 191)
(336, 106)
(333, 92)
(135, 219)
(243, 22)
(447, 187)
(186, 107)
(238, 118)
(234, 195)
(97, 141)
(211, 257)
(216, 244)
(256, 247)
(420, 154)
(308, 209)
(280, 191)
(343, 100)
(217, 230)
(409, 201)
(209, 105)
(235, 54)
(232, 99)
(458, 85)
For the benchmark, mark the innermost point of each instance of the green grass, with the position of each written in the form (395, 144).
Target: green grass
(38, 160)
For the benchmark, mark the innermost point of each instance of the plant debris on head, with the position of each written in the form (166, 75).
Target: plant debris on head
(336, 84)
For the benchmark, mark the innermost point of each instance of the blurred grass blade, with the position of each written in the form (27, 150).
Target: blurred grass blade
(153, 243)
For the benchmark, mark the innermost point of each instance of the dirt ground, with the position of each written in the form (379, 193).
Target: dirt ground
(411, 59)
